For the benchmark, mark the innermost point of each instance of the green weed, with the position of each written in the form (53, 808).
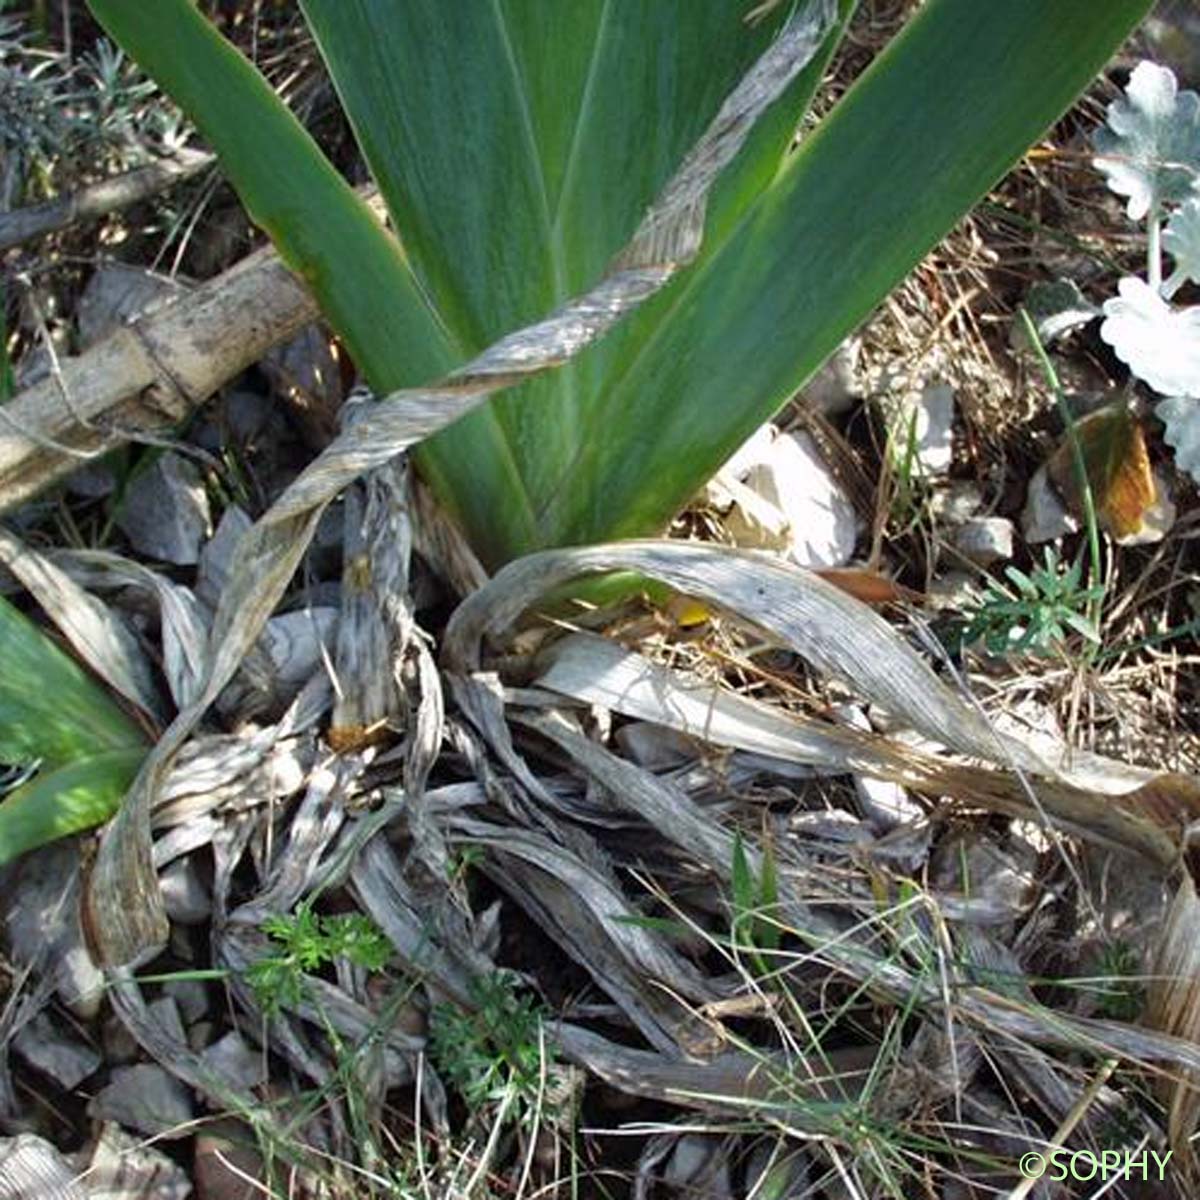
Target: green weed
(495, 1050)
(307, 942)
(1038, 613)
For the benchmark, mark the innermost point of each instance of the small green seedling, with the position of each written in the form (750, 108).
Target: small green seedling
(307, 942)
(755, 901)
(1121, 997)
(494, 1051)
(1038, 613)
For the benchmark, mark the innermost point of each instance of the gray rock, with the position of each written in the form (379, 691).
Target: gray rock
(821, 524)
(885, 804)
(65, 1059)
(217, 555)
(120, 1046)
(166, 1012)
(836, 388)
(185, 895)
(750, 453)
(1044, 517)
(145, 1098)
(93, 481)
(952, 590)
(293, 642)
(42, 922)
(165, 513)
(115, 293)
(233, 1059)
(935, 428)
(985, 540)
(955, 502)
(118, 292)
(190, 996)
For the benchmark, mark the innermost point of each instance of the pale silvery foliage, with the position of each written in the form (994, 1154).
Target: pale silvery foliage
(1150, 154)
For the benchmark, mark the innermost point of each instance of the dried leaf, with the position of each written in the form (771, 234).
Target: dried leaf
(97, 633)
(31, 1167)
(1117, 465)
(183, 622)
(165, 512)
(812, 617)
(1174, 1007)
(598, 671)
(868, 586)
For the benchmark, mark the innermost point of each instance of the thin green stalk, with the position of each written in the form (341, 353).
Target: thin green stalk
(1095, 605)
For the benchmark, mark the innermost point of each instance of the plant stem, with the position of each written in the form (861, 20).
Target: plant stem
(1154, 272)
(1085, 487)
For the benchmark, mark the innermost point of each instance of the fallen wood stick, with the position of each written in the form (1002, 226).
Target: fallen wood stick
(149, 375)
(99, 199)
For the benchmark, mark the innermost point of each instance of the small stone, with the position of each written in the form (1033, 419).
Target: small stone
(93, 481)
(886, 805)
(42, 923)
(927, 420)
(117, 292)
(234, 1060)
(952, 590)
(200, 1035)
(750, 453)
(145, 1098)
(190, 996)
(985, 540)
(216, 558)
(822, 528)
(293, 643)
(958, 500)
(835, 388)
(1044, 517)
(66, 1060)
(166, 1012)
(165, 512)
(120, 1046)
(185, 894)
